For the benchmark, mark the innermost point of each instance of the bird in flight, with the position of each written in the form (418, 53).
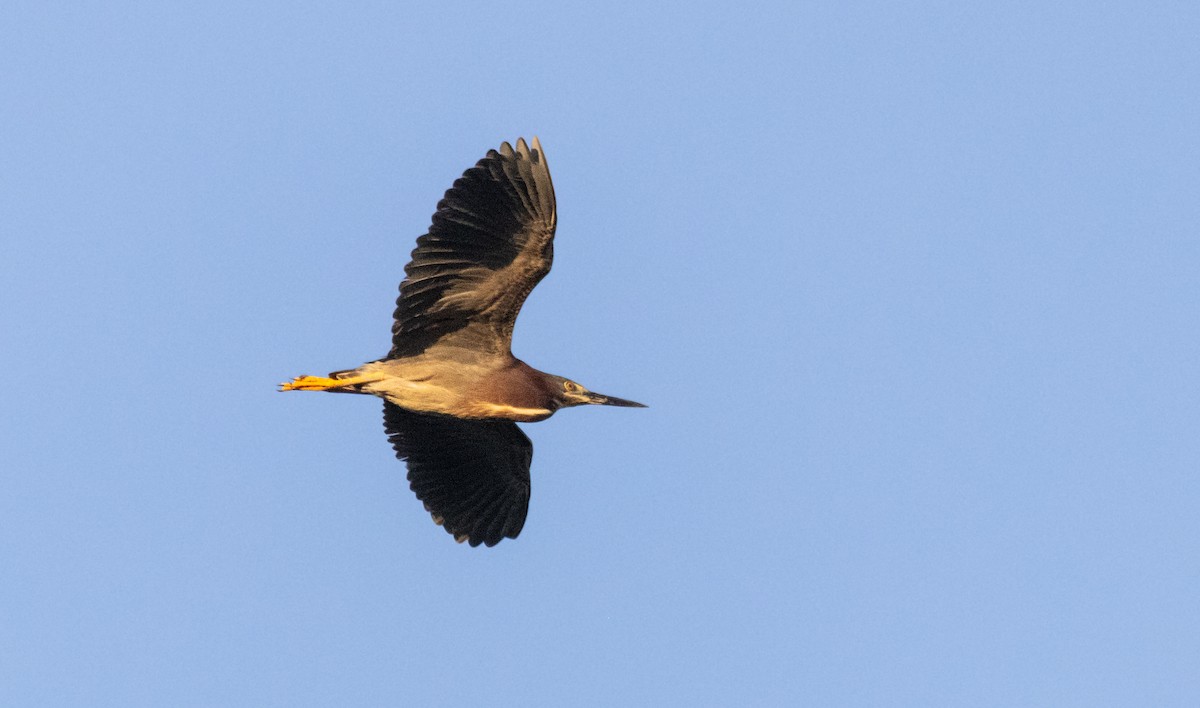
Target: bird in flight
(452, 390)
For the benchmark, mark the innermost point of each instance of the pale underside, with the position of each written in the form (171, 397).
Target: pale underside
(426, 384)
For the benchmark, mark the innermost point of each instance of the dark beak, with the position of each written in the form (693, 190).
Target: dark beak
(602, 400)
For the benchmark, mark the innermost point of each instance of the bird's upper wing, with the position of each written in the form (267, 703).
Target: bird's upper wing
(491, 241)
(472, 475)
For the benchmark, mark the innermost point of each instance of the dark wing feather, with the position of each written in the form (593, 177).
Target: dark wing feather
(490, 243)
(473, 476)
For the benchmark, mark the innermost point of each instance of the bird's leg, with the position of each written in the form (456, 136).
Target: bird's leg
(320, 383)
(309, 383)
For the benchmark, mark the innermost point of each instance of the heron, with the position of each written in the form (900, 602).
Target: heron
(452, 390)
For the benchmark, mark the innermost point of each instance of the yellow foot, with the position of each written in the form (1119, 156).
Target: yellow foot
(320, 383)
(309, 383)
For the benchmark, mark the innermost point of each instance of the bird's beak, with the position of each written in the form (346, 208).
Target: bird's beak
(601, 400)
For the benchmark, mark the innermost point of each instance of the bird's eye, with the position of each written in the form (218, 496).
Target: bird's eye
(570, 387)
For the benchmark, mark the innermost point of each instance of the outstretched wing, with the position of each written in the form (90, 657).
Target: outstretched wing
(490, 243)
(472, 475)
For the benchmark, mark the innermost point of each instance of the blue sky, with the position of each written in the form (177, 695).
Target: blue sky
(911, 291)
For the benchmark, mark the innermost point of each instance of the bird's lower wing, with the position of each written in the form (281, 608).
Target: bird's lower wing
(472, 475)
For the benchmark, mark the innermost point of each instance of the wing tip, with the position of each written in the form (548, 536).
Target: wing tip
(539, 153)
(533, 151)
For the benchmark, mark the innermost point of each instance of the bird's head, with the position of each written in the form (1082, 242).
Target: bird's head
(567, 393)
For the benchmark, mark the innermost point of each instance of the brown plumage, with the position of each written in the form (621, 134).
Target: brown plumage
(452, 389)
